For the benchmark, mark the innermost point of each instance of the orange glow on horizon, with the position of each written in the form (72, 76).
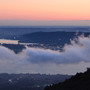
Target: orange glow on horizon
(45, 9)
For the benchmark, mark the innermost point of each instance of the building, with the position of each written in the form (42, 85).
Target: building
(6, 41)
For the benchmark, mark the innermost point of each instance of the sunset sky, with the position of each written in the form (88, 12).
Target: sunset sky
(43, 10)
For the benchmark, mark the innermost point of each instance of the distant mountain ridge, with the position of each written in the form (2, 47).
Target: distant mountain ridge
(47, 40)
(51, 38)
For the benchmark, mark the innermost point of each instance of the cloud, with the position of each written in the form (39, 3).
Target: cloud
(74, 53)
(36, 60)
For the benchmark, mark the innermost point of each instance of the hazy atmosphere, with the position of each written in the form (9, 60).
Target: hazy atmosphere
(75, 58)
(44, 44)
(46, 12)
(44, 23)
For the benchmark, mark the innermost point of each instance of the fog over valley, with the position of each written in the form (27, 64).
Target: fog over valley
(75, 57)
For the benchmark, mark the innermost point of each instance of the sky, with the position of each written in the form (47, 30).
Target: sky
(14, 12)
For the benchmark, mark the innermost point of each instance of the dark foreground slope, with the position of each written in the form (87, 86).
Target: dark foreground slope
(81, 81)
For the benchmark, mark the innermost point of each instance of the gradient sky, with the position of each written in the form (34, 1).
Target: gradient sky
(44, 10)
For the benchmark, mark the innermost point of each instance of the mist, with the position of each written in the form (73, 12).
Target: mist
(74, 58)
(45, 23)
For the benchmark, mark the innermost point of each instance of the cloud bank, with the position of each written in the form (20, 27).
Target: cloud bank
(31, 60)
(76, 52)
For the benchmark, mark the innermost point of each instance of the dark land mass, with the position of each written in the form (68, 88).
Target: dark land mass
(20, 30)
(46, 40)
(81, 81)
(51, 38)
(29, 81)
(16, 48)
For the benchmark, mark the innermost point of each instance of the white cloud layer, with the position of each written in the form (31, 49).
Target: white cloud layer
(75, 58)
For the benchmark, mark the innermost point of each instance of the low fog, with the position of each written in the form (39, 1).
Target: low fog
(74, 58)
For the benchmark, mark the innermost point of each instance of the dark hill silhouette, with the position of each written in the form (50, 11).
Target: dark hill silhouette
(81, 81)
(16, 48)
(55, 38)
